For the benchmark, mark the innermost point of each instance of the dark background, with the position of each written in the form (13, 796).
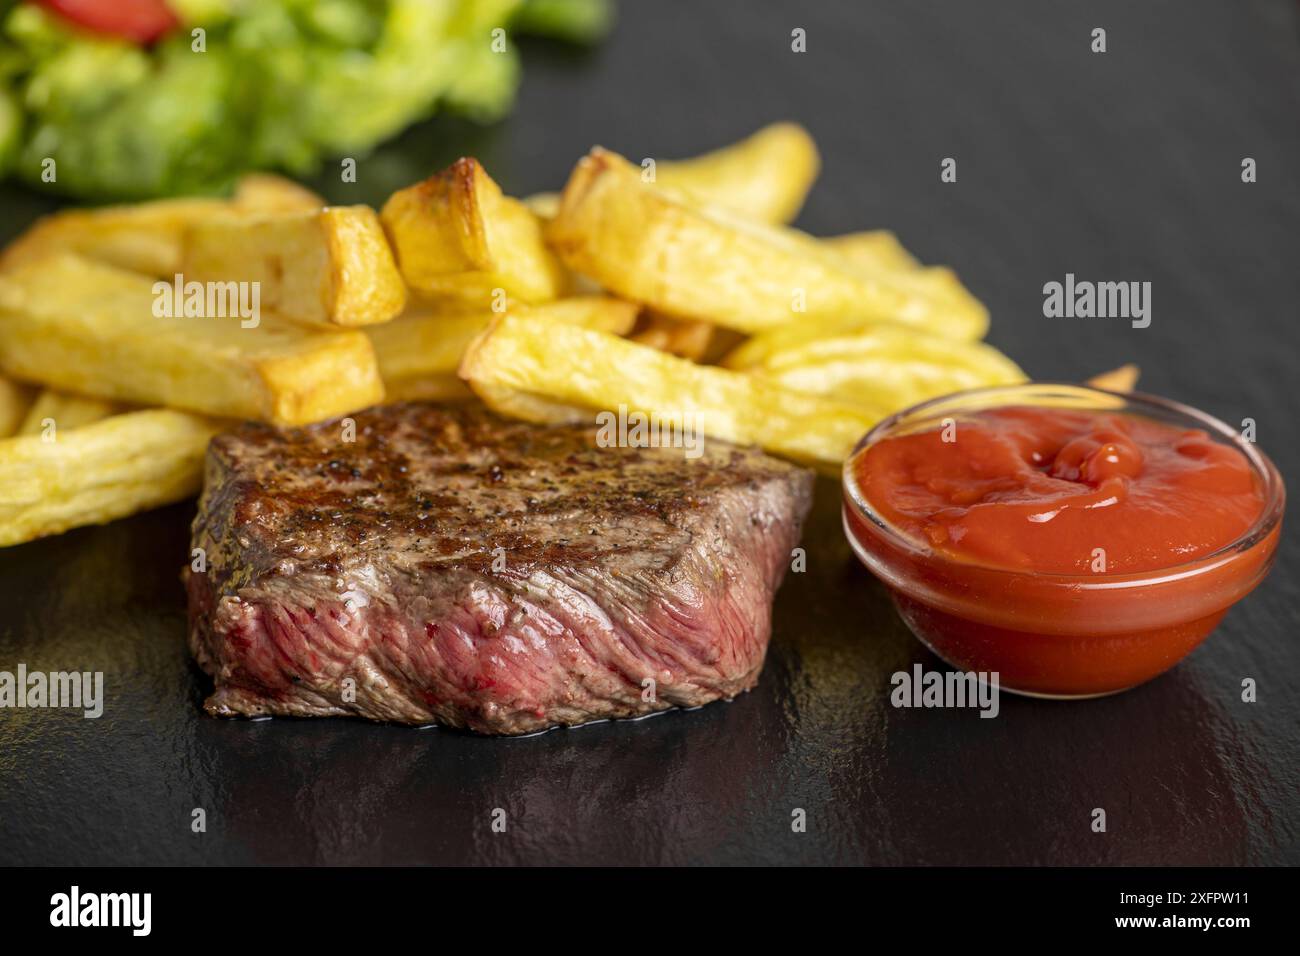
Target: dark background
(1117, 166)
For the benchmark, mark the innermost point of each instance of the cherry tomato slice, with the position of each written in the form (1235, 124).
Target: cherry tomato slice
(141, 21)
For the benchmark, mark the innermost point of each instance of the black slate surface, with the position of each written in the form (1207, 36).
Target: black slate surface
(1120, 166)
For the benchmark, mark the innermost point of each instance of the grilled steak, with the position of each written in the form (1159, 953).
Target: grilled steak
(451, 567)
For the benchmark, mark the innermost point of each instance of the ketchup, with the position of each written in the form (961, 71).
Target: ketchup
(1074, 551)
(1063, 490)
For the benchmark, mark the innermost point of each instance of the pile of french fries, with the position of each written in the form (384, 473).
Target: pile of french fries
(667, 289)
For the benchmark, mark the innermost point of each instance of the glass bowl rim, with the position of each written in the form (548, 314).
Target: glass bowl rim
(1269, 518)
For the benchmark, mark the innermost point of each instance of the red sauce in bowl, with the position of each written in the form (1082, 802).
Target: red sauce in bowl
(1074, 541)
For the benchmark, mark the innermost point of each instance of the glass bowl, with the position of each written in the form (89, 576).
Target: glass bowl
(1064, 635)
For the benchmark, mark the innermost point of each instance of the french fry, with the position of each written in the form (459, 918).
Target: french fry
(143, 238)
(146, 237)
(1048, 395)
(262, 193)
(15, 400)
(434, 387)
(686, 338)
(758, 350)
(764, 177)
(874, 250)
(543, 205)
(1122, 379)
(563, 368)
(90, 328)
(426, 344)
(721, 344)
(889, 367)
(701, 263)
(423, 343)
(457, 237)
(62, 411)
(99, 472)
(331, 266)
(530, 407)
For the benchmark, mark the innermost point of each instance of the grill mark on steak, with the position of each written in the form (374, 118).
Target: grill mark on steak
(373, 560)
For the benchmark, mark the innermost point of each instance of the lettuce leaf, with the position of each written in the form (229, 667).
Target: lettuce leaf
(280, 84)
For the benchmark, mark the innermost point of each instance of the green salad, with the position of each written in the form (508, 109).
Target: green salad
(130, 103)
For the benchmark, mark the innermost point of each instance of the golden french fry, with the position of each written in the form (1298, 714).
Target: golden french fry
(262, 193)
(456, 236)
(425, 343)
(1050, 396)
(434, 387)
(1122, 379)
(874, 250)
(327, 267)
(90, 328)
(143, 238)
(565, 367)
(721, 344)
(701, 263)
(764, 177)
(889, 367)
(604, 313)
(15, 400)
(146, 237)
(656, 332)
(543, 205)
(529, 406)
(686, 338)
(757, 350)
(100, 471)
(55, 410)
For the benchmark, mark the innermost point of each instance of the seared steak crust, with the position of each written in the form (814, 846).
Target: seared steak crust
(451, 567)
